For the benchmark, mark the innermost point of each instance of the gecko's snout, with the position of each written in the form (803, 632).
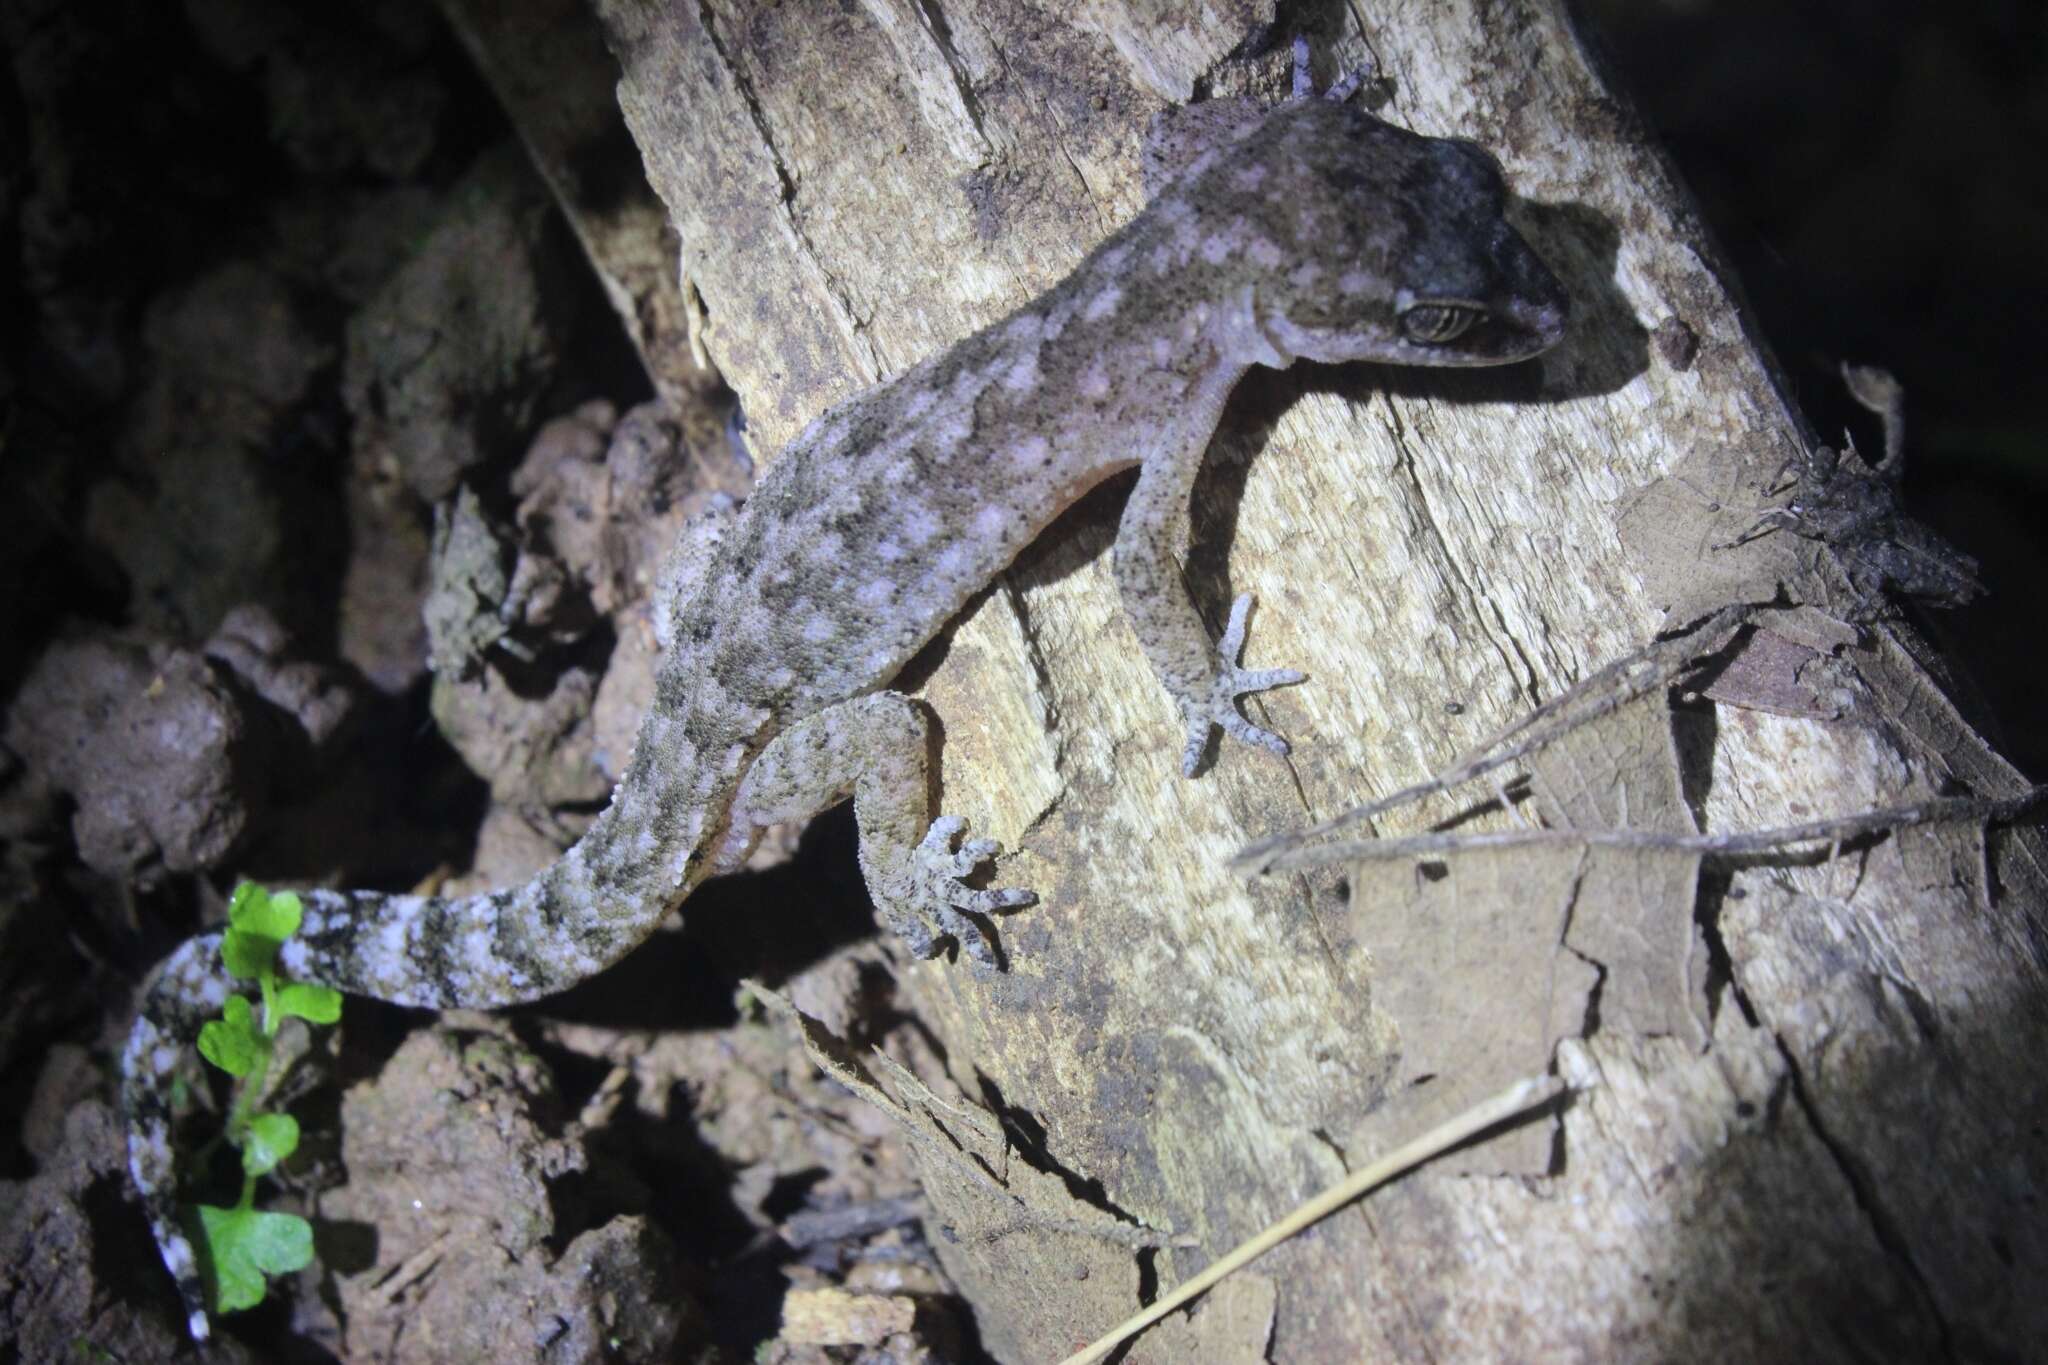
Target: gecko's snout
(1540, 321)
(1530, 303)
(1527, 306)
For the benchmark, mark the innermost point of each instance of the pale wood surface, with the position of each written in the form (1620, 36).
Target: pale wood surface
(1813, 1128)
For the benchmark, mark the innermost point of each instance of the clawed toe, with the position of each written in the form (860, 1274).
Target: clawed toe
(1218, 709)
(973, 854)
(940, 899)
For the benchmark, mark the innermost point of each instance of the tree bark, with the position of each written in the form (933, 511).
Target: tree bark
(1809, 1117)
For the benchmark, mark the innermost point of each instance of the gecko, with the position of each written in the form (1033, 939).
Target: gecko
(1308, 230)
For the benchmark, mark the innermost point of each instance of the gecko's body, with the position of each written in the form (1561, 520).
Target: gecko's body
(1319, 233)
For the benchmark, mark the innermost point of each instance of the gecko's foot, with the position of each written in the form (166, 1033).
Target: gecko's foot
(938, 901)
(1219, 706)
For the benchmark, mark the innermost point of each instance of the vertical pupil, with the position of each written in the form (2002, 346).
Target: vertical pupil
(1431, 322)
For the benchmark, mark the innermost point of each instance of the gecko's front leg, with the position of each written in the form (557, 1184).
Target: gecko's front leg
(877, 748)
(1203, 677)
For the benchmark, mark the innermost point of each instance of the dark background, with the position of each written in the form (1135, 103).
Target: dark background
(1874, 171)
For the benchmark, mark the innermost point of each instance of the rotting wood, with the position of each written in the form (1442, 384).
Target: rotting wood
(1843, 1164)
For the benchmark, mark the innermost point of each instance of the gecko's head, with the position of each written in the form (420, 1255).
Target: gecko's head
(1393, 247)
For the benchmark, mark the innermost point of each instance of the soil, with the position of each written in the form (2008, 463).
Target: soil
(336, 501)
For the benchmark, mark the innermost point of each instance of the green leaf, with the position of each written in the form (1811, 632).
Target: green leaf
(244, 1245)
(263, 914)
(247, 956)
(314, 1004)
(231, 1042)
(271, 1138)
(245, 894)
(257, 923)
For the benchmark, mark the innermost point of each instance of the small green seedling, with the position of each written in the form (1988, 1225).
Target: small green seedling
(244, 1243)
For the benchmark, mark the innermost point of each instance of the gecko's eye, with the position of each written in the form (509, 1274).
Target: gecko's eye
(1432, 324)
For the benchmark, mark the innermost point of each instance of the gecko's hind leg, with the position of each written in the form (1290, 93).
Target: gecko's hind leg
(875, 748)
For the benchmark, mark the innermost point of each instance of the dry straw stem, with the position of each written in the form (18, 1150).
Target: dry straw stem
(1837, 830)
(1521, 1096)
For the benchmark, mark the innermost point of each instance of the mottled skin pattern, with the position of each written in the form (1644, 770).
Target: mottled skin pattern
(1320, 232)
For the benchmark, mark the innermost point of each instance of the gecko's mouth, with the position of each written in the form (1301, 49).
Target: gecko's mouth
(1517, 329)
(1499, 334)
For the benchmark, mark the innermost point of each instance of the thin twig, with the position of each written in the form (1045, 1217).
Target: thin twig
(815, 1227)
(1599, 693)
(1521, 1096)
(1937, 810)
(1116, 1234)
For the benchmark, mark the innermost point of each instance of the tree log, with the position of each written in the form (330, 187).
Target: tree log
(1808, 1117)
